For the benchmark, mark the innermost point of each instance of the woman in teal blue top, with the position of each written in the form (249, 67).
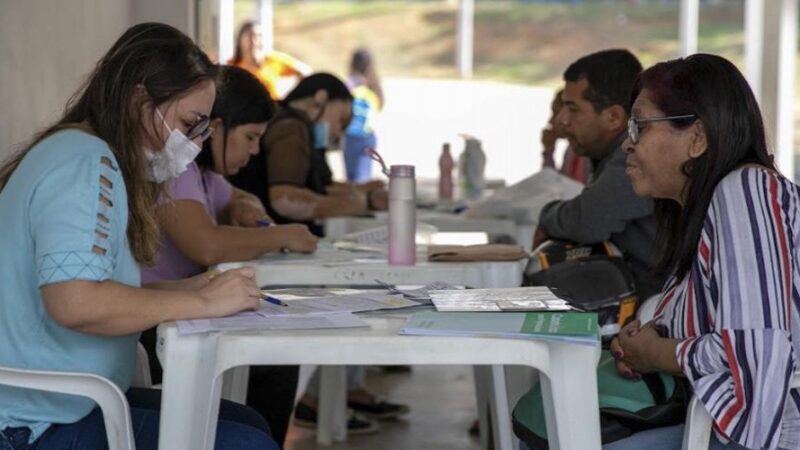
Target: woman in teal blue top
(78, 208)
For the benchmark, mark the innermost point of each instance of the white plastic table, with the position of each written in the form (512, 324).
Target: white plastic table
(194, 365)
(332, 267)
(336, 227)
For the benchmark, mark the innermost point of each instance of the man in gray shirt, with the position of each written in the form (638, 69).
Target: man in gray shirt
(594, 116)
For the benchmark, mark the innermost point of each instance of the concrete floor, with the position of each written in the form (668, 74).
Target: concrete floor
(442, 401)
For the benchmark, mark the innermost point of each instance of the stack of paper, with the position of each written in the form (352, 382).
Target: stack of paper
(305, 309)
(421, 295)
(505, 299)
(577, 328)
(355, 301)
(377, 239)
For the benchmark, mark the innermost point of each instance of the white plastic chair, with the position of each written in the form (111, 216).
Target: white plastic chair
(110, 399)
(647, 310)
(697, 433)
(142, 378)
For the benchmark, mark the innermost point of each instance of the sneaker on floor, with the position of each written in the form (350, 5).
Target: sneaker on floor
(379, 409)
(306, 417)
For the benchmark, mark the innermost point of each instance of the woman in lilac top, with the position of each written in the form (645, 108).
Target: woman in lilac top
(206, 221)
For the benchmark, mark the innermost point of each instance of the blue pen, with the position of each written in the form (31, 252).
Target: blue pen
(273, 300)
(263, 223)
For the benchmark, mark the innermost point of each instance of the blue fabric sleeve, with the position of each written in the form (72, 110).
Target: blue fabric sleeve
(75, 227)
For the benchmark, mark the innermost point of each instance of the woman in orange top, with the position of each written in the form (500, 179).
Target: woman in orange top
(269, 68)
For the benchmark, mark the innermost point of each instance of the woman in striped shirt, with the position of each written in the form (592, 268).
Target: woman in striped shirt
(729, 229)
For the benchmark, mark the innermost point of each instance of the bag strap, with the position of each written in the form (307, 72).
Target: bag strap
(656, 387)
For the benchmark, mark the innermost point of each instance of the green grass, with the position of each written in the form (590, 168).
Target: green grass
(527, 43)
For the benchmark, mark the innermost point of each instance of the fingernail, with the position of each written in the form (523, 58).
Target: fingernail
(618, 354)
(629, 374)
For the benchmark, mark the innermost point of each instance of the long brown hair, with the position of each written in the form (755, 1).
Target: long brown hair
(167, 64)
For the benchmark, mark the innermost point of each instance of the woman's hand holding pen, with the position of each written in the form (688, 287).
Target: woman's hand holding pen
(247, 212)
(296, 238)
(230, 292)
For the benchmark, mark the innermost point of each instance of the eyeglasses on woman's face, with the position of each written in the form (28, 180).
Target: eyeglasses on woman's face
(634, 124)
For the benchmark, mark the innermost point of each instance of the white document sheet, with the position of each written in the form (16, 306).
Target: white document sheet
(501, 299)
(255, 321)
(353, 302)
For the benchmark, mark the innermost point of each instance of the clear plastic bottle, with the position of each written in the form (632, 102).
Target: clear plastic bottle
(402, 216)
(446, 164)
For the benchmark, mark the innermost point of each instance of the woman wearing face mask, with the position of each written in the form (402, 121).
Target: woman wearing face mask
(207, 221)
(79, 208)
(291, 176)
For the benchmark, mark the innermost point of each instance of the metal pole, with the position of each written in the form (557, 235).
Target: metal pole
(690, 11)
(226, 32)
(787, 42)
(267, 13)
(466, 13)
(754, 44)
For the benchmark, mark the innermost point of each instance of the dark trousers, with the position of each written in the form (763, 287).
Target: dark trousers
(239, 428)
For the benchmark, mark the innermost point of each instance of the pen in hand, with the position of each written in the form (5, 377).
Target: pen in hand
(273, 300)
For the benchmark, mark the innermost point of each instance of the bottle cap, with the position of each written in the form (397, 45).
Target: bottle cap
(402, 171)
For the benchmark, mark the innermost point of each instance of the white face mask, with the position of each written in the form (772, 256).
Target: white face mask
(172, 160)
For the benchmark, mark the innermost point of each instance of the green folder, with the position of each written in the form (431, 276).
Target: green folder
(575, 327)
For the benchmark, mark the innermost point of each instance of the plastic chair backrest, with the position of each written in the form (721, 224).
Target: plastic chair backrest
(110, 399)
(697, 433)
(647, 309)
(142, 378)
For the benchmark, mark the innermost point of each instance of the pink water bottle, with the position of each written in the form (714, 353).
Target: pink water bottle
(446, 164)
(402, 216)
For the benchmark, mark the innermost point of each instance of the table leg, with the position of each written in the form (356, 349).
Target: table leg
(191, 391)
(234, 384)
(483, 377)
(332, 408)
(501, 411)
(569, 391)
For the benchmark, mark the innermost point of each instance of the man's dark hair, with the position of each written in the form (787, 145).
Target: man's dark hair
(610, 75)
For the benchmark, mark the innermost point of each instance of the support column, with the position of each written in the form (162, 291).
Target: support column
(267, 13)
(687, 31)
(226, 33)
(777, 80)
(466, 14)
(754, 44)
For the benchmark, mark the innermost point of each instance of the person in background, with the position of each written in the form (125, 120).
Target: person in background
(299, 187)
(291, 175)
(268, 66)
(205, 221)
(594, 117)
(728, 233)
(79, 216)
(368, 100)
(573, 165)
